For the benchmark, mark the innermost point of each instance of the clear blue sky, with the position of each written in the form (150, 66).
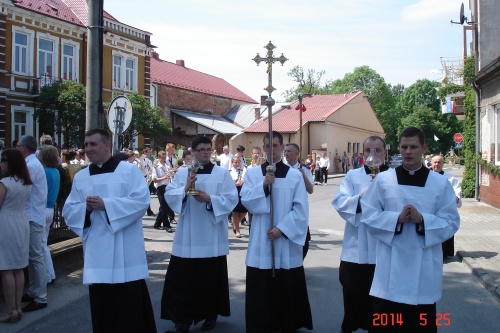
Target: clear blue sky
(402, 40)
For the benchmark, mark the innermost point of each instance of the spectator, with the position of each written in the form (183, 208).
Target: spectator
(15, 189)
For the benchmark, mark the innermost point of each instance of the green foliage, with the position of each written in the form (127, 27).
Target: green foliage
(370, 82)
(423, 92)
(492, 168)
(469, 132)
(307, 83)
(146, 120)
(448, 89)
(62, 105)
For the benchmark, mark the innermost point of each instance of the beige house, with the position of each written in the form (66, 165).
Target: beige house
(331, 124)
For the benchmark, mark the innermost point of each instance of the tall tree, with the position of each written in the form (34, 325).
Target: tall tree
(423, 92)
(61, 110)
(307, 82)
(370, 82)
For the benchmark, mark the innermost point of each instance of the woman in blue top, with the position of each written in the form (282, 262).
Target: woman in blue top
(48, 156)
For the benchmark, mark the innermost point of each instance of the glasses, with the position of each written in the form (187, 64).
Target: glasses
(3, 159)
(208, 150)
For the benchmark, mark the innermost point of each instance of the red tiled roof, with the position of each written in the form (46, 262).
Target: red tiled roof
(73, 11)
(318, 108)
(167, 73)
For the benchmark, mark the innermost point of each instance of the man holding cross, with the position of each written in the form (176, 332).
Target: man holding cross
(276, 291)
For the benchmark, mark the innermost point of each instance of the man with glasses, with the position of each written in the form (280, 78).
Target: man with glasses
(35, 210)
(196, 283)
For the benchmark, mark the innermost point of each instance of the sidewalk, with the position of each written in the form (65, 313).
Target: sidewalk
(477, 242)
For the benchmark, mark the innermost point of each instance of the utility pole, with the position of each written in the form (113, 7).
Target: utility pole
(94, 107)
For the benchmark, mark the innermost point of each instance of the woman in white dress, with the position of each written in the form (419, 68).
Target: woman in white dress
(15, 189)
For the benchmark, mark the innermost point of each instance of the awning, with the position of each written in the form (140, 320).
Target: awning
(213, 122)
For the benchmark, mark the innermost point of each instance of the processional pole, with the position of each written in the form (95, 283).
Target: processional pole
(270, 60)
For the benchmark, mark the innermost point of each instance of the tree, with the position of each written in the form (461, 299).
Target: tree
(423, 92)
(309, 83)
(469, 132)
(370, 82)
(61, 110)
(146, 120)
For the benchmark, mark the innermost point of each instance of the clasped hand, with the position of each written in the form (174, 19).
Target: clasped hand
(94, 202)
(411, 214)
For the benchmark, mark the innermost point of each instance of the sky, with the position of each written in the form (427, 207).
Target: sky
(402, 40)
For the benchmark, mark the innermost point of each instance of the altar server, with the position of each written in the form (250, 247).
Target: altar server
(410, 210)
(105, 208)
(196, 284)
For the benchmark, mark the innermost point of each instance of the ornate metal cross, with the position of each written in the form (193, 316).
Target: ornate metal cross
(270, 60)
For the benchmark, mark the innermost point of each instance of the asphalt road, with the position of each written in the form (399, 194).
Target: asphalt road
(467, 306)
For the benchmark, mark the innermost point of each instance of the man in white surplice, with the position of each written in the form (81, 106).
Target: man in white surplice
(410, 211)
(196, 283)
(105, 208)
(287, 290)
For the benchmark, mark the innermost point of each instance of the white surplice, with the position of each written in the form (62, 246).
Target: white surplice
(113, 245)
(291, 211)
(456, 187)
(358, 245)
(409, 266)
(202, 232)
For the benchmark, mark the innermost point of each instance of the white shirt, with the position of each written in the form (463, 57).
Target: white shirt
(324, 162)
(456, 187)
(37, 201)
(225, 160)
(146, 166)
(159, 171)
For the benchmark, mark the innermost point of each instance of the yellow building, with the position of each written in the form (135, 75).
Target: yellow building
(42, 42)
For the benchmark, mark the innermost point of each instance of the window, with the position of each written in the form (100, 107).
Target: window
(349, 147)
(129, 75)
(45, 57)
(68, 62)
(22, 121)
(48, 47)
(117, 69)
(22, 51)
(124, 71)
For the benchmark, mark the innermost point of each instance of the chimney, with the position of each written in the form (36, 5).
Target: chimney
(180, 63)
(257, 113)
(155, 55)
(263, 100)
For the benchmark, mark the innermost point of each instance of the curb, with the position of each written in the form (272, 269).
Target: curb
(484, 277)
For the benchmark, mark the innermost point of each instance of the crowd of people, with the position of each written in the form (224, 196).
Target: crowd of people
(399, 225)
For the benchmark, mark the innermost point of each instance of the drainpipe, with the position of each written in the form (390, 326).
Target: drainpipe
(478, 138)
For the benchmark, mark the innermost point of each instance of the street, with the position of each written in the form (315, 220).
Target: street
(466, 306)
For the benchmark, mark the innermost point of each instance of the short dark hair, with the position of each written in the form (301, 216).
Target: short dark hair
(275, 135)
(200, 139)
(102, 132)
(411, 132)
(16, 164)
(373, 138)
(240, 148)
(296, 146)
(185, 153)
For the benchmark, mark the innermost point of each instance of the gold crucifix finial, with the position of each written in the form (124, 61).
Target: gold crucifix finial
(270, 60)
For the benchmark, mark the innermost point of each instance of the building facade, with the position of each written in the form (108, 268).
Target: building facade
(45, 42)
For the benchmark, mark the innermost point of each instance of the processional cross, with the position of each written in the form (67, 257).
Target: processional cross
(270, 60)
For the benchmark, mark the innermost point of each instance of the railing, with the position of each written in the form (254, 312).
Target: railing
(59, 231)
